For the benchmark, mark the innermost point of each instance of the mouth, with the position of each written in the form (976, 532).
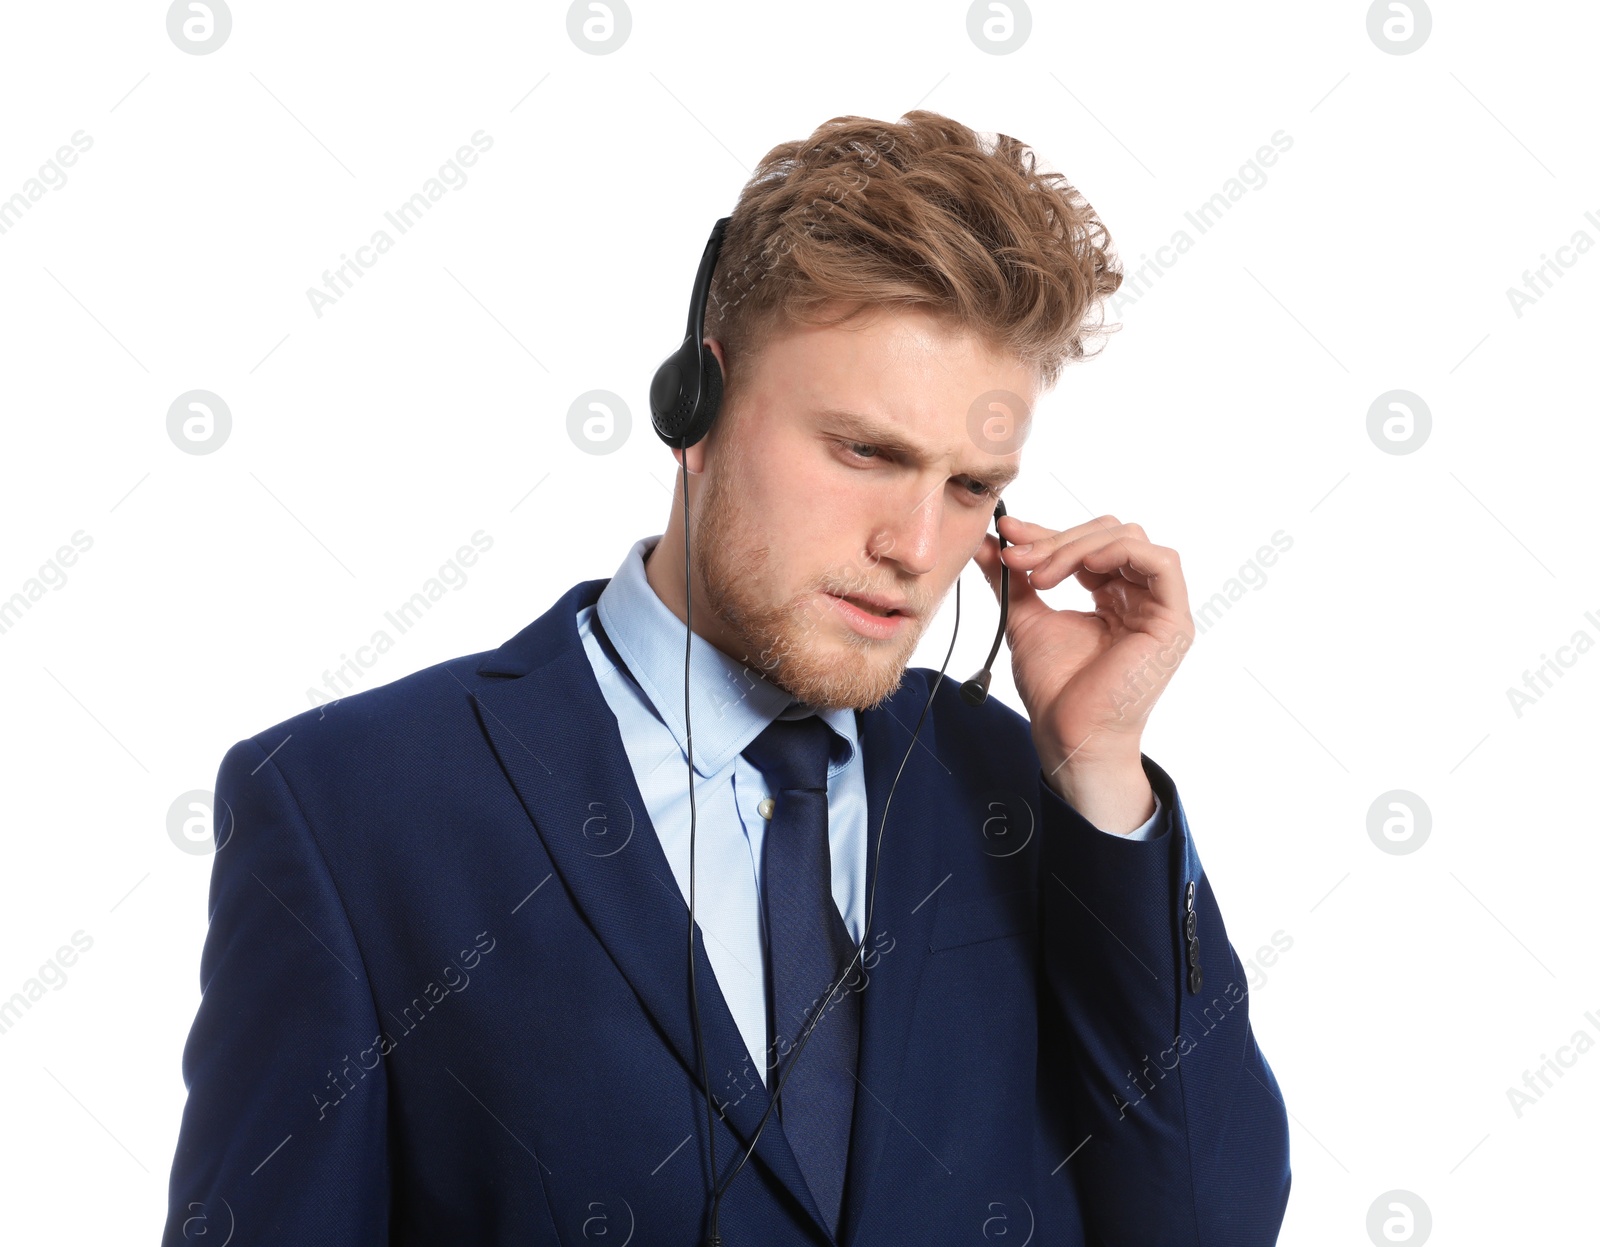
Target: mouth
(873, 606)
(877, 618)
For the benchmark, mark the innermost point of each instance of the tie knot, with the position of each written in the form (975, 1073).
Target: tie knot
(793, 753)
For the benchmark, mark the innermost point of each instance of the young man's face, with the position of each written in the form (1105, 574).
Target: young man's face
(799, 505)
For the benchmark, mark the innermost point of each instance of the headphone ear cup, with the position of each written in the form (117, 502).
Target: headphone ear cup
(667, 407)
(693, 423)
(672, 406)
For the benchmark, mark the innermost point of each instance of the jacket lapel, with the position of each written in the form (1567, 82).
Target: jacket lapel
(902, 918)
(561, 748)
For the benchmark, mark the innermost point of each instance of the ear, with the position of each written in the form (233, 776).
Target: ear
(696, 455)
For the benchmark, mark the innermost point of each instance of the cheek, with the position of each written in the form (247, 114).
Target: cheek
(772, 515)
(798, 501)
(962, 544)
(821, 538)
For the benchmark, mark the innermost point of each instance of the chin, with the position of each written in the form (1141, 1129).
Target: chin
(839, 675)
(802, 648)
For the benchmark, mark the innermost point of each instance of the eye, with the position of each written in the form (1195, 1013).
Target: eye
(866, 450)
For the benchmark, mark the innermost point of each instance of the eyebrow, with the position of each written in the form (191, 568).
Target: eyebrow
(866, 429)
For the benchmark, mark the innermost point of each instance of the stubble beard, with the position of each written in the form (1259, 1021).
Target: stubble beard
(795, 646)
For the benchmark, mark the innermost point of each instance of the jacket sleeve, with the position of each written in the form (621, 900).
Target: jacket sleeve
(283, 1134)
(1180, 1129)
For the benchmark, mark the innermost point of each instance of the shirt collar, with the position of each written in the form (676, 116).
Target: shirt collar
(730, 704)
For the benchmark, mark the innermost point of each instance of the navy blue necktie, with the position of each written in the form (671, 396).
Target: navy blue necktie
(807, 947)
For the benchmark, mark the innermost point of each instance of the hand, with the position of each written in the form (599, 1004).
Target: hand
(1089, 679)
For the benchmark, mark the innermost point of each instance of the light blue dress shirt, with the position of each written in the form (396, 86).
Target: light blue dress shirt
(730, 706)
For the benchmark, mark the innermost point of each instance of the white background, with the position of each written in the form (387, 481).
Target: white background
(431, 401)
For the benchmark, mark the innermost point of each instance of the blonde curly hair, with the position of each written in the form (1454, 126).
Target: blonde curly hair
(921, 213)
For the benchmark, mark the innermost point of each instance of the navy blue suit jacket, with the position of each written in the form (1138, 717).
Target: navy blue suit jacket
(445, 1000)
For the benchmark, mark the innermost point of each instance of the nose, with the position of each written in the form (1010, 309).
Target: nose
(910, 536)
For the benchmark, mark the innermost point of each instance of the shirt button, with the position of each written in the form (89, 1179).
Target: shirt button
(765, 807)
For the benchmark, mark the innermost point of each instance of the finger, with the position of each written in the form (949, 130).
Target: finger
(1093, 580)
(1122, 601)
(1048, 544)
(1110, 557)
(1050, 567)
(1020, 531)
(1095, 532)
(1082, 555)
(1155, 570)
(1145, 564)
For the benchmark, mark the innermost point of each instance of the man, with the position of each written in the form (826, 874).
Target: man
(446, 996)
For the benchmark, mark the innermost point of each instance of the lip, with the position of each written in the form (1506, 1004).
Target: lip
(879, 627)
(882, 602)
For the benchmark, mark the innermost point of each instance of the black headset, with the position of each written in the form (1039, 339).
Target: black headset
(685, 396)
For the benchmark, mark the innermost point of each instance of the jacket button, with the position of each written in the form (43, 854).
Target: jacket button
(1195, 980)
